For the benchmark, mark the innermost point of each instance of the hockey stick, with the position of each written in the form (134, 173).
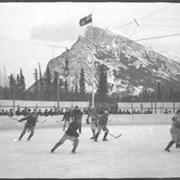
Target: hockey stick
(24, 122)
(42, 121)
(14, 122)
(109, 120)
(15, 119)
(114, 135)
(58, 121)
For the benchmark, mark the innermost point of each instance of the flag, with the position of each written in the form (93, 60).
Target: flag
(85, 20)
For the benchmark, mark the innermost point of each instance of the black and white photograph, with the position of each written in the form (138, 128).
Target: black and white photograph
(89, 90)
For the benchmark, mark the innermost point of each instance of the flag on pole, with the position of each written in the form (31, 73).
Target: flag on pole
(85, 20)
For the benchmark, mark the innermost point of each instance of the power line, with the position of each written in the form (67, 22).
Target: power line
(27, 42)
(170, 19)
(168, 25)
(145, 16)
(156, 12)
(157, 37)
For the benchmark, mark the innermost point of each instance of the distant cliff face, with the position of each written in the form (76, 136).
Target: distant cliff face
(129, 64)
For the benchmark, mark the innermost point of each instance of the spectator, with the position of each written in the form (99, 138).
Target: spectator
(25, 112)
(18, 112)
(51, 113)
(40, 112)
(11, 112)
(46, 113)
(166, 111)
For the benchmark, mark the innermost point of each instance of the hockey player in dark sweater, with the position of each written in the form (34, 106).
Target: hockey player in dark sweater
(66, 118)
(70, 134)
(77, 114)
(30, 124)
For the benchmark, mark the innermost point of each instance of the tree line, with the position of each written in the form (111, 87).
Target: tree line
(47, 88)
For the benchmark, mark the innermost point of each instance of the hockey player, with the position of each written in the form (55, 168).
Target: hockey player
(30, 124)
(66, 118)
(71, 134)
(175, 131)
(94, 116)
(102, 125)
(77, 115)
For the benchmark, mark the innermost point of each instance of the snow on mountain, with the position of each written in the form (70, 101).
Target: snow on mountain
(129, 64)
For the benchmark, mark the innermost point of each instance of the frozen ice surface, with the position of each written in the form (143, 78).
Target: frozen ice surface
(138, 153)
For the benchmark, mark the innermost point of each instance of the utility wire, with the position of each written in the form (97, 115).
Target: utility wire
(41, 44)
(161, 25)
(170, 19)
(145, 16)
(157, 37)
(155, 12)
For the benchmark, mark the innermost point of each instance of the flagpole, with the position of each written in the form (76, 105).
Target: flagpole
(82, 22)
(92, 66)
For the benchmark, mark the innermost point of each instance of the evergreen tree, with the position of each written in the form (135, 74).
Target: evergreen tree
(82, 84)
(54, 85)
(102, 88)
(66, 87)
(76, 92)
(61, 89)
(171, 94)
(48, 85)
(12, 85)
(41, 85)
(18, 87)
(36, 90)
(159, 91)
(6, 94)
(23, 85)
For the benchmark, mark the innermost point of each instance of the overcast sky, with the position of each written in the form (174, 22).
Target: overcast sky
(57, 23)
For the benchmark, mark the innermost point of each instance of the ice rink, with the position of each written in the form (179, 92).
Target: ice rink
(138, 153)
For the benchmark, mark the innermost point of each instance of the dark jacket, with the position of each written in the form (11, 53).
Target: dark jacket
(72, 129)
(76, 114)
(67, 116)
(103, 119)
(31, 121)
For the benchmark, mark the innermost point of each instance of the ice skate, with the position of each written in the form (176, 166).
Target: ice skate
(96, 137)
(178, 145)
(52, 150)
(73, 151)
(104, 138)
(167, 150)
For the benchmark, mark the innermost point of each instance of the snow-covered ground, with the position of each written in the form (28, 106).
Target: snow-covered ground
(138, 153)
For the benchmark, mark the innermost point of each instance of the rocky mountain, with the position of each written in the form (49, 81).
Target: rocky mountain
(130, 66)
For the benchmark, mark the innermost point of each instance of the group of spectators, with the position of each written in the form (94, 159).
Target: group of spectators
(148, 111)
(26, 111)
(54, 111)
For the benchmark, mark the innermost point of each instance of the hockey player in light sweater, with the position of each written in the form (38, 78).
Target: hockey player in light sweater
(175, 131)
(102, 125)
